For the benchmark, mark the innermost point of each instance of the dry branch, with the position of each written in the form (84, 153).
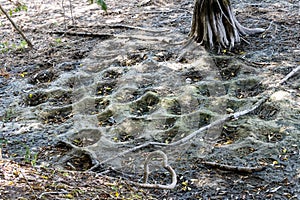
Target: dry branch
(32, 190)
(16, 27)
(147, 172)
(292, 73)
(82, 34)
(107, 35)
(138, 28)
(47, 193)
(234, 168)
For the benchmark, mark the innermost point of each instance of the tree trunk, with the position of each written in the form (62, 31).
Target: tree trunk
(214, 24)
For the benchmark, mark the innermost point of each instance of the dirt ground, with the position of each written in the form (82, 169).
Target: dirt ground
(97, 84)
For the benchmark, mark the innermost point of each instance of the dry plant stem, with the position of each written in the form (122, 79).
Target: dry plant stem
(292, 73)
(64, 11)
(234, 168)
(71, 10)
(138, 28)
(147, 172)
(150, 12)
(28, 184)
(124, 26)
(82, 34)
(16, 27)
(45, 193)
(107, 36)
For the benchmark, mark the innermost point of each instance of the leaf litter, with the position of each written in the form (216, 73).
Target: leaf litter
(76, 100)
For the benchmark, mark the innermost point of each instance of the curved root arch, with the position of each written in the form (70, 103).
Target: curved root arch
(214, 24)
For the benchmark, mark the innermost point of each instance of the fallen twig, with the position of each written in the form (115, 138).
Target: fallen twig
(147, 172)
(28, 184)
(292, 73)
(16, 27)
(150, 12)
(136, 27)
(234, 168)
(107, 35)
(83, 34)
(45, 193)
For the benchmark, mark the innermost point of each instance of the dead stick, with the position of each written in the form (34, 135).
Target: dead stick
(82, 34)
(45, 193)
(119, 26)
(28, 184)
(147, 172)
(16, 27)
(292, 73)
(234, 168)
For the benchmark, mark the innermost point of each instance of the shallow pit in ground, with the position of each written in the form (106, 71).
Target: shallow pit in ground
(104, 92)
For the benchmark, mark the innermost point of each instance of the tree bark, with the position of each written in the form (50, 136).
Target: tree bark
(214, 24)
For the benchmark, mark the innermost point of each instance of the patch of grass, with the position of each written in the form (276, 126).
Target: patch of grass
(19, 7)
(20, 46)
(30, 157)
(9, 115)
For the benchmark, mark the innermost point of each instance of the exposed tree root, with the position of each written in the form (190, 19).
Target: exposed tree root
(214, 24)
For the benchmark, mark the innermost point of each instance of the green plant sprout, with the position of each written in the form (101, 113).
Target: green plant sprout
(30, 157)
(100, 3)
(18, 8)
(5, 46)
